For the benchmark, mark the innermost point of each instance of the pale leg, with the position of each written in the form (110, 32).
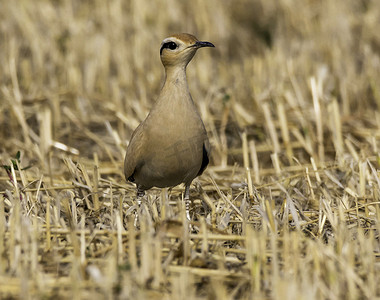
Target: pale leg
(140, 195)
(187, 201)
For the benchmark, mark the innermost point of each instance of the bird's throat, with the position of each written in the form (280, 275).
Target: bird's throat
(175, 75)
(175, 83)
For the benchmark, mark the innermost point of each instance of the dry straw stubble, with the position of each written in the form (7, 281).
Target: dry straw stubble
(289, 207)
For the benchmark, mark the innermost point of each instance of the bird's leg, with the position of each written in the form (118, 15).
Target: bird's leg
(140, 195)
(187, 201)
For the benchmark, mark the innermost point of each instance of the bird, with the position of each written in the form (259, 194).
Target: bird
(170, 146)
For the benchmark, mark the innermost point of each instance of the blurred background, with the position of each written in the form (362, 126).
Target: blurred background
(78, 76)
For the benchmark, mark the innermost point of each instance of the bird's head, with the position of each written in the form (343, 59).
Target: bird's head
(179, 49)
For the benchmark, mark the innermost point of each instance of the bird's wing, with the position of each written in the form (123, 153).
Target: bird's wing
(133, 155)
(206, 156)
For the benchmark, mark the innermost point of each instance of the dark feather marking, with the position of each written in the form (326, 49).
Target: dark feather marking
(205, 161)
(139, 165)
(131, 178)
(170, 45)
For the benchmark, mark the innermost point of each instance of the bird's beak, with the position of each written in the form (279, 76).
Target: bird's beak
(200, 44)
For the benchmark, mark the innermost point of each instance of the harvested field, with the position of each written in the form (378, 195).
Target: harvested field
(289, 207)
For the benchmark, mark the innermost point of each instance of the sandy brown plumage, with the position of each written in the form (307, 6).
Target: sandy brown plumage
(171, 145)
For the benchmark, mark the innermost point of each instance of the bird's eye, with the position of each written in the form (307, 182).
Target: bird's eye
(169, 45)
(172, 45)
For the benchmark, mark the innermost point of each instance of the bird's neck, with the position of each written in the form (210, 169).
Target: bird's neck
(175, 78)
(175, 93)
(175, 99)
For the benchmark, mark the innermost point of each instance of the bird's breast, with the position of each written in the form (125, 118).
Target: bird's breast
(174, 148)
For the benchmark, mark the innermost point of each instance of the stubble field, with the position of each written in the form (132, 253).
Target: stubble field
(289, 207)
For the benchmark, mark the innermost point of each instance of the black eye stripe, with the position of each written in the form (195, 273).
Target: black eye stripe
(169, 45)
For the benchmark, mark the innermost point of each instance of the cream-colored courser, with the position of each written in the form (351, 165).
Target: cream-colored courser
(171, 145)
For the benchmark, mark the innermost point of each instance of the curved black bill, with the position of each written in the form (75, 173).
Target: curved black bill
(200, 44)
